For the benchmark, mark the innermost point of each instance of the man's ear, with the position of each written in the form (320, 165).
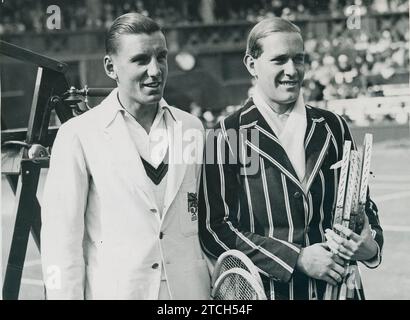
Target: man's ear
(109, 68)
(249, 63)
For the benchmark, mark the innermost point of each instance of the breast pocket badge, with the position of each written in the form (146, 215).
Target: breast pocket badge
(193, 205)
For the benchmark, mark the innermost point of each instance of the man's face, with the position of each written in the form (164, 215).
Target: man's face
(279, 70)
(141, 67)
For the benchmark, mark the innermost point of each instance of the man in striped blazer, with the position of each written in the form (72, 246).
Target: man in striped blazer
(267, 187)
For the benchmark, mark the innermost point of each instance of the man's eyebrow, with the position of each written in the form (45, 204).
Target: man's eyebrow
(279, 57)
(142, 56)
(286, 56)
(139, 56)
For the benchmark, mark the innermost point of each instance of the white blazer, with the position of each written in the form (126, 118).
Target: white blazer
(100, 236)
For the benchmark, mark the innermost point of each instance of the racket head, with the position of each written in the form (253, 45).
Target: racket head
(235, 259)
(237, 284)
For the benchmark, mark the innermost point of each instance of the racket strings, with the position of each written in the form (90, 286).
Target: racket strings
(231, 262)
(236, 287)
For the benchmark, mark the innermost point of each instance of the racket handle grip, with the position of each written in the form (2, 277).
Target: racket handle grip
(328, 292)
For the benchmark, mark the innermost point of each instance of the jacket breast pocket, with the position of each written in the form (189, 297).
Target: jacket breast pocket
(188, 209)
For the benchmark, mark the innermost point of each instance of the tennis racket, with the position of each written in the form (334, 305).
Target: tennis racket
(235, 277)
(237, 284)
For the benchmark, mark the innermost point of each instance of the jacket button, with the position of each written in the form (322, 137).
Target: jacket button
(307, 229)
(155, 266)
(153, 210)
(161, 235)
(297, 195)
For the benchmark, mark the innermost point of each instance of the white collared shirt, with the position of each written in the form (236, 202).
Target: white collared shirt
(151, 146)
(289, 127)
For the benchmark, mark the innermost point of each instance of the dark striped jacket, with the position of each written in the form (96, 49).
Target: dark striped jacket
(266, 213)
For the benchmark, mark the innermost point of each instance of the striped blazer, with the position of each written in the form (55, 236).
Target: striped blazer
(266, 212)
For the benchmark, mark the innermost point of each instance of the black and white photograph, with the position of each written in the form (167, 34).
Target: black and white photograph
(219, 151)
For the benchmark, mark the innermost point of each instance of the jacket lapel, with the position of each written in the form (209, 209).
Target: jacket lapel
(317, 141)
(269, 146)
(176, 165)
(124, 155)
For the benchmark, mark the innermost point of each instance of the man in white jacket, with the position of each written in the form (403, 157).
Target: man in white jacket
(119, 208)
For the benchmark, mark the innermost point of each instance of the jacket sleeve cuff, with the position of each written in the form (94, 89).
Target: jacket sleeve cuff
(376, 260)
(291, 260)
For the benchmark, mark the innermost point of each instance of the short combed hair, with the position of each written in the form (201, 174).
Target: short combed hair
(265, 28)
(129, 23)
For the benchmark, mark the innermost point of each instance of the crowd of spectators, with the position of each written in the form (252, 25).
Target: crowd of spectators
(344, 64)
(76, 15)
(349, 64)
(254, 11)
(27, 15)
